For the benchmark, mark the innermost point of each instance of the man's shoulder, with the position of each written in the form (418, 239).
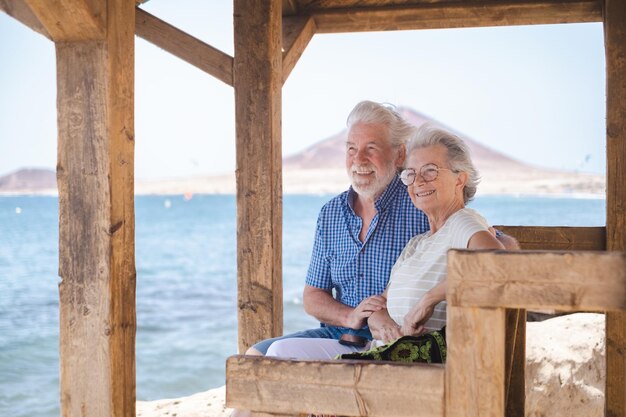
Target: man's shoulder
(336, 203)
(402, 201)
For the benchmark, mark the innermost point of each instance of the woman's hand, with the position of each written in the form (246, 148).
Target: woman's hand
(388, 332)
(414, 320)
(418, 315)
(383, 327)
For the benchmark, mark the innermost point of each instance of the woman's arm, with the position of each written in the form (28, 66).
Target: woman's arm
(414, 320)
(419, 314)
(485, 240)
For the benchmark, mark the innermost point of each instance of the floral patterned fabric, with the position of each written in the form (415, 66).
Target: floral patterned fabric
(426, 348)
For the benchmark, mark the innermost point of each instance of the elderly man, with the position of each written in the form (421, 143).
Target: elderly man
(362, 231)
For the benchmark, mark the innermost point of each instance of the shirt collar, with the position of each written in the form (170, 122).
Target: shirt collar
(384, 200)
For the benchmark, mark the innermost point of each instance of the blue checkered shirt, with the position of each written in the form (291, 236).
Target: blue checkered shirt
(357, 270)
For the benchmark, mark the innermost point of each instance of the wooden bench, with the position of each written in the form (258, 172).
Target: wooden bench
(484, 374)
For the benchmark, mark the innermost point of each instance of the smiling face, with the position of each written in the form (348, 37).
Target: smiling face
(443, 195)
(371, 161)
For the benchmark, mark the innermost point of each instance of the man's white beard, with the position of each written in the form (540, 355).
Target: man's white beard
(371, 189)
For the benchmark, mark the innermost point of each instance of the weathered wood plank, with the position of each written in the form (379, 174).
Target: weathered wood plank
(121, 131)
(457, 15)
(615, 393)
(71, 20)
(557, 238)
(347, 388)
(515, 356)
(568, 281)
(258, 83)
(475, 369)
(20, 11)
(95, 101)
(297, 33)
(615, 49)
(184, 46)
(84, 220)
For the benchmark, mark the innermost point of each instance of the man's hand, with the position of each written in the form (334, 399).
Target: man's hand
(359, 315)
(320, 304)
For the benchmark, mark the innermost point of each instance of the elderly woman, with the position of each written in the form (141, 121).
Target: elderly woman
(440, 180)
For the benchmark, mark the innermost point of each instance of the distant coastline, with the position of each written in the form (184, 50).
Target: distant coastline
(318, 170)
(333, 181)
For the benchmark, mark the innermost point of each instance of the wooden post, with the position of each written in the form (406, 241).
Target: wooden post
(515, 345)
(615, 47)
(95, 100)
(258, 81)
(475, 368)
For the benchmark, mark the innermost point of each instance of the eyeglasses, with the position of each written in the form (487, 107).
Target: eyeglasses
(428, 172)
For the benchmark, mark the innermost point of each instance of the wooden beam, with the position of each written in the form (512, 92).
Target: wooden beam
(568, 281)
(71, 20)
(258, 83)
(475, 367)
(290, 7)
(191, 50)
(557, 238)
(458, 15)
(297, 33)
(615, 49)
(346, 388)
(20, 11)
(95, 102)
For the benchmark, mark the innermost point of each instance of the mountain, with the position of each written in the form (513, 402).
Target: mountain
(330, 153)
(321, 168)
(29, 180)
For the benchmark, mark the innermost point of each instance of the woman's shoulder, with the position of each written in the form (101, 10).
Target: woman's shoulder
(468, 215)
(414, 243)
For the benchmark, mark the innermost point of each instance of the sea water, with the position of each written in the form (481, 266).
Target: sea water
(186, 286)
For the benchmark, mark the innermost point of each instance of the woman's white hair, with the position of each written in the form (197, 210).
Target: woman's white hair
(459, 159)
(372, 112)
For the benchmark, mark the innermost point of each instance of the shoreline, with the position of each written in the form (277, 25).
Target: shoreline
(517, 183)
(574, 196)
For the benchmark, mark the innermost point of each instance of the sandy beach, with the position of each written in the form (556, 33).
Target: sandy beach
(334, 181)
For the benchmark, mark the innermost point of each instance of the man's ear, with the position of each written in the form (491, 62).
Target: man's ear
(401, 156)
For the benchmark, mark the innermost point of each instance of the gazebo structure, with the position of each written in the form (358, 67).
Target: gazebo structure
(94, 42)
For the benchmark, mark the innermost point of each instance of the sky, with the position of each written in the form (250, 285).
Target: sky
(536, 93)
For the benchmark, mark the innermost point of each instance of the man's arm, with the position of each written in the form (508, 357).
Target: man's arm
(320, 304)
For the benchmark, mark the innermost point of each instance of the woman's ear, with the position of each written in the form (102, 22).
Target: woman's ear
(461, 180)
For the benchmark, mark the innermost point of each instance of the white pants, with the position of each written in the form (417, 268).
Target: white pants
(307, 348)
